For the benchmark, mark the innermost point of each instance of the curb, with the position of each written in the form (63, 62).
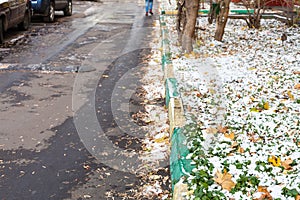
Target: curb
(180, 167)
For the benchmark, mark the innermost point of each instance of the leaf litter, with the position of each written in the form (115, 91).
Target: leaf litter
(249, 83)
(154, 170)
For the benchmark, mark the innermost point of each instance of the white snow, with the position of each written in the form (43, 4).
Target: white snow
(248, 84)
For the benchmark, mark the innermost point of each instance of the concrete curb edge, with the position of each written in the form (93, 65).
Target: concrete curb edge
(175, 114)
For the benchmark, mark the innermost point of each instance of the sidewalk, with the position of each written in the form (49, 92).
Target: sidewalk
(241, 101)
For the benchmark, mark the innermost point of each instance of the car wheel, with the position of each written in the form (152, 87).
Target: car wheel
(51, 13)
(68, 9)
(26, 21)
(1, 32)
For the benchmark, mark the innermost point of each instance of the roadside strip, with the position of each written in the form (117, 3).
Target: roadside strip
(179, 165)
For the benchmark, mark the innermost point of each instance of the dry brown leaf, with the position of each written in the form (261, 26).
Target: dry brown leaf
(223, 129)
(297, 86)
(241, 150)
(296, 72)
(224, 180)
(234, 145)
(297, 197)
(189, 108)
(254, 140)
(212, 130)
(286, 164)
(265, 193)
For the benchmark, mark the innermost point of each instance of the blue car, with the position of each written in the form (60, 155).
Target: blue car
(47, 8)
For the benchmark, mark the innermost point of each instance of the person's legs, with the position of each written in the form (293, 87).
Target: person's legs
(150, 6)
(147, 6)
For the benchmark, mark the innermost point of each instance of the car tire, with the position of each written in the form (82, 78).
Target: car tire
(1, 32)
(68, 9)
(26, 22)
(51, 13)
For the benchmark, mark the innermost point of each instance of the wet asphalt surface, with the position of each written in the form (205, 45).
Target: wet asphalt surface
(44, 154)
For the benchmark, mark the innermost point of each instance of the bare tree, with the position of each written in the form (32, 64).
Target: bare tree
(255, 10)
(181, 19)
(296, 18)
(213, 11)
(222, 19)
(287, 7)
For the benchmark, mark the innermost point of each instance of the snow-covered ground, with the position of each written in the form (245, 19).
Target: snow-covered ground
(244, 94)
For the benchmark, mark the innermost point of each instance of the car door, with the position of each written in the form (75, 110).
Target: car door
(21, 9)
(12, 17)
(60, 4)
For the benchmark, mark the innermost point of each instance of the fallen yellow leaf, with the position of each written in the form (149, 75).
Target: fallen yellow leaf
(251, 68)
(275, 77)
(212, 91)
(291, 96)
(160, 140)
(229, 135)
(224, 180)
(187, 55)
(193, 54)
(274, 161)
(266, 106)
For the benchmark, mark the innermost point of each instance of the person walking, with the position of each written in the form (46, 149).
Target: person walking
(149, 5)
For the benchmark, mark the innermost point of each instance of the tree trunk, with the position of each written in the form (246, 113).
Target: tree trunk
(222, 19)
(181, 20)
(192, 7)
(259, 6)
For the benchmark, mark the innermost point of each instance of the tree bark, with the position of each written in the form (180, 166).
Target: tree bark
(222, 19)
(192, 7)
(181, 20)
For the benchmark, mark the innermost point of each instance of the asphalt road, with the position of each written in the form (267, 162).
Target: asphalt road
(68, 90)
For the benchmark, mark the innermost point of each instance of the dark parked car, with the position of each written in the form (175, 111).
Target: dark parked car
(14, 13)
(47, 8)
